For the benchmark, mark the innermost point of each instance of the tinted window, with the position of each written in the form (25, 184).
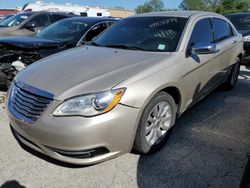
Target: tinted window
(40, 20)
(160, 34)
(222, 29)
(111, 23)
(96, 30)
(56, 17)
(15, 20)
(241, 22)
(202, 32)
(6, 17)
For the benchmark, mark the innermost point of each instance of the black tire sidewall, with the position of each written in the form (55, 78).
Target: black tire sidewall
(141, 143)
(228, 84)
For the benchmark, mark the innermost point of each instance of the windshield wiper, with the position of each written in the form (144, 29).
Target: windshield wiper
(123, 46)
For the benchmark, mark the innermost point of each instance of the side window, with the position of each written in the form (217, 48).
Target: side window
(57, 17)
(202, 33)
(96, 30)
(110, 23)
(222, 29)
(40, 20)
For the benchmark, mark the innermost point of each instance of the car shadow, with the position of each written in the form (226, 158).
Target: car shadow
(12, 184)
(245, 182)
(208, 145)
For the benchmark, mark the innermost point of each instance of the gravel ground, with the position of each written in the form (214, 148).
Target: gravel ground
(208, 148)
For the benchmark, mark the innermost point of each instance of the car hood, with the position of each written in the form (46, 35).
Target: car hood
(87, 69)
(29, 42)
(7, 31)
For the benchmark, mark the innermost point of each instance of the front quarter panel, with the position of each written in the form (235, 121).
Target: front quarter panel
(143, 86)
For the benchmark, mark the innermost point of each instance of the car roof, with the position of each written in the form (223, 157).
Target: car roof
(238, 14)
(92, 20)
(183, 14)
(48, 12)
(26, 13)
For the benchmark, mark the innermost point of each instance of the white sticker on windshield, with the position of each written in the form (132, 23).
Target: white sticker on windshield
(161, 47)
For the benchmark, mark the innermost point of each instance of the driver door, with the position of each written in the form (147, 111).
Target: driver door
(201, 68)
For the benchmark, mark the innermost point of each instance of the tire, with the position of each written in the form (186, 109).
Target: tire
(233, 76)
(153, 131)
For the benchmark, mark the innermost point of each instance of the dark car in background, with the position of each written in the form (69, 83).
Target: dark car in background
(29, 23)
(18, 52)
(241, 22)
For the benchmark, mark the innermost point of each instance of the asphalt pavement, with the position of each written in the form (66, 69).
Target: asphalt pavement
(209, 147)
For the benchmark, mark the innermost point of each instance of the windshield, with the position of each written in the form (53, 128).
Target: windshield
(15, 20)
(241, 22)
(6, 17)
(65, 31)
(160, 34)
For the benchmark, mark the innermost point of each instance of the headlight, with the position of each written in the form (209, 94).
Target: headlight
(90, 105)
(246, 38)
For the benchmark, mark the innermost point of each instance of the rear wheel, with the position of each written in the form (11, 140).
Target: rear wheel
(155, 123)
(233, 76)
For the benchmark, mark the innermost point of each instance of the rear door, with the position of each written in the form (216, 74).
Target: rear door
(226, 41)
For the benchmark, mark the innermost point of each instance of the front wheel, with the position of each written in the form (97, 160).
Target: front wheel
(233, 76)
(155, 123)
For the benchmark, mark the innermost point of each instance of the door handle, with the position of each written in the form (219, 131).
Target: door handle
(234, 42)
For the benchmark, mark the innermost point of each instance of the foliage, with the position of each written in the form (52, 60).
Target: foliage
(150, 6)
(219, 6)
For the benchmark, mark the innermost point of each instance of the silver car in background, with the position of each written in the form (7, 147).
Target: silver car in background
(125, 89)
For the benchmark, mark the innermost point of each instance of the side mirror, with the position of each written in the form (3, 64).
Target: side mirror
(203, 48)
(30, 26)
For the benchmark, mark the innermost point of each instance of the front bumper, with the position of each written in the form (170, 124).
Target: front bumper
(100, 138)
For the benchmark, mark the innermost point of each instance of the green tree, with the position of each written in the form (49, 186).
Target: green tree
(157, 5)
(143, 8)
(150, 6)
(242, 5)
(192, 5)
(219, 6)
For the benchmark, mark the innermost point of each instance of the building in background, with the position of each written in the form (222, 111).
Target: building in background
(120, 13)
(4, 12)
(88, 11)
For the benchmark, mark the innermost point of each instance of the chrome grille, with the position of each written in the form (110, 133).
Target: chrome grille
(26, 105)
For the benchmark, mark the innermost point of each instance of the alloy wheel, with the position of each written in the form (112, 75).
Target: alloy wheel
(158, 123)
